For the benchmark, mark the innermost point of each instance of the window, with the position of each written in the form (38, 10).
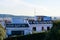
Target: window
(48, 28)
(17, 32)
(17, 25)
(42, 28)
(34, 28)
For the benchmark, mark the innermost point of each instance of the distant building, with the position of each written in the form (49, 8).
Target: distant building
(55, 18)
(41, 18)
(7, 20)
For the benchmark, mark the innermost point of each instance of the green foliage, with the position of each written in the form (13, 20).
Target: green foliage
(54, 34)
(38, 36)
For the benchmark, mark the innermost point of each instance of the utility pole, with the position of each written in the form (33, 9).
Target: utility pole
(34, 11)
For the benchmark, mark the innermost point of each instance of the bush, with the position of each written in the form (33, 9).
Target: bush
(38, 36)
(54, 34)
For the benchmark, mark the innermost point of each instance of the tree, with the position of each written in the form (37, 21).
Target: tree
(54, 34)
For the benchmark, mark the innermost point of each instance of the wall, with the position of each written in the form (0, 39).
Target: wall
(39, 27)
(9, 30)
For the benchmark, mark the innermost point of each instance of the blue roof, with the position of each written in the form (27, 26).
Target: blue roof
(17, 20)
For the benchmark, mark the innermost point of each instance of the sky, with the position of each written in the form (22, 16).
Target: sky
(30, 7)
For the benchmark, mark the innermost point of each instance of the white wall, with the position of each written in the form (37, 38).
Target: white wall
(39, 27)
(9, 30)
(30, 29)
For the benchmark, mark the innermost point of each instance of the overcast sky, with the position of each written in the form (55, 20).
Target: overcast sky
(29, 7)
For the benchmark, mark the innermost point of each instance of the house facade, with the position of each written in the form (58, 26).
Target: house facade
(40, 26)
(29, 26)
(17, 29)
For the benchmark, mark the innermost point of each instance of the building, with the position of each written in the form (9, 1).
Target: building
(7, 20)
(56, 18)
(23, 25)
(28, 26)
(39, 26)
(17, 29)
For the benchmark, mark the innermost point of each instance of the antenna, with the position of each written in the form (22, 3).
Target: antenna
(34, 11)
